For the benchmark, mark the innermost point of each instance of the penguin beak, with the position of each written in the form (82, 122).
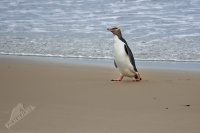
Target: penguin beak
(109, 29)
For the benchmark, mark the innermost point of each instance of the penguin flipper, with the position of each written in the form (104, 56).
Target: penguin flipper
(115, 64)
(130, 55)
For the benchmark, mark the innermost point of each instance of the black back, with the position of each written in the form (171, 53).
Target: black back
(129, 53)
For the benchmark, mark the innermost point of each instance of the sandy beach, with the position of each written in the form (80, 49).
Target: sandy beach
(71, 98)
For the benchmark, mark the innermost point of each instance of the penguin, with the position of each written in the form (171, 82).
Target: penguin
(123, 57)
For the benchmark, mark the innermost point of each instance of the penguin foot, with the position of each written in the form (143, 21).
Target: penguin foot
(119, 79)
(137, 77)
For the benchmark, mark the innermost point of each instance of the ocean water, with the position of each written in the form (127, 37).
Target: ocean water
(166, 30)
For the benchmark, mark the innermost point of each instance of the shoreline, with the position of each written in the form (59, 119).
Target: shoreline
(143, 64)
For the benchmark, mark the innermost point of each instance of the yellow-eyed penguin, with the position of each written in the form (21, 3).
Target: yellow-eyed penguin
(123, 57)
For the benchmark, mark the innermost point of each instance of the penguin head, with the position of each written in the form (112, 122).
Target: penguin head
(115, 31)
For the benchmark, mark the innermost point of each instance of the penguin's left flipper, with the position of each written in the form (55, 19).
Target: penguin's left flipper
(130, 55)
(115, 64)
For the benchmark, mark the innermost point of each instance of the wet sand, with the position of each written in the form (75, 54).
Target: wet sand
(80, 98)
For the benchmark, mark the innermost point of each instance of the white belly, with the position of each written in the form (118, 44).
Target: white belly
(121, 59)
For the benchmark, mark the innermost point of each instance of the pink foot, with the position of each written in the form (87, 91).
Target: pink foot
(119, 79)
(137, 77)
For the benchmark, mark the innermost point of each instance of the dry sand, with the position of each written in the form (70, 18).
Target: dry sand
(71, 98)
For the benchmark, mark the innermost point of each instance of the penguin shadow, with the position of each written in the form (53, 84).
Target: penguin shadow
(131, 81)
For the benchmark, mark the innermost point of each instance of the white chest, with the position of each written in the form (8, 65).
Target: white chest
(121, 58)
(119, 51)
(118, 46)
